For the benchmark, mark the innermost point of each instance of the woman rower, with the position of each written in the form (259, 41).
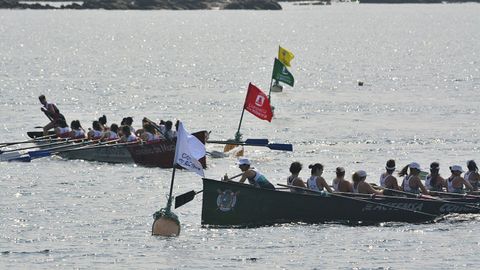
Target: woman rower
(95, 133)
(387, 180)
(411, 181)
(77, 130)
(62, 130)
(111, 134)
(362, 187)
(472, 175)
(149, 134)
(434, 182)
(316, 181)
(339, 183)
(294, 179)
(103, 123)
(253, 176)
(127, 136)
(456, 182)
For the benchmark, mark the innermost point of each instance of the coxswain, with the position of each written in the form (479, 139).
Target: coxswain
(294, 179)
(253, 176)
(96, 133)
(77, 130)
(434, 182)
(456, 182)
(316, 181)
(62, 130)
(339, 183)
(111, 134)
(361, 186)
(411, 181)
(472, 175)
(387, 180)
(52, 112)
(127, 136)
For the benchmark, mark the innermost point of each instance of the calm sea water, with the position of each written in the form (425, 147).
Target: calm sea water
(420, 67)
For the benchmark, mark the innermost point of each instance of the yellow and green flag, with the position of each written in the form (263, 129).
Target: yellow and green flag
(285, 56)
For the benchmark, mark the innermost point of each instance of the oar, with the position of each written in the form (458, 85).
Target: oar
(27, 141)
(272, 146)
(186, 197)
(40, 146)
(97, 145)
(465, 204)
(48, 152)
(360, 200)
(455, 194)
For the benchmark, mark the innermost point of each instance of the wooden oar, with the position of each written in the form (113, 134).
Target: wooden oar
(465, 204)
(272, 146)
(360, 200)
(27, 141)
(49, 151)
(41, 146)
(455, 194)
(96, 145)
(188, 196)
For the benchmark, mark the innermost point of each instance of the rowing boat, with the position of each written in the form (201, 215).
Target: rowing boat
(156, 154)
(233, 204)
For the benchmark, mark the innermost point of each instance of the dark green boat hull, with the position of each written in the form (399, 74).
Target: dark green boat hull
(227, 204)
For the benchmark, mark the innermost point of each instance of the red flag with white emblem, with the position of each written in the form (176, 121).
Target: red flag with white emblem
(258, 103)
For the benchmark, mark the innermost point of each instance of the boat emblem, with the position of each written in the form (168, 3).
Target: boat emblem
(226, 200)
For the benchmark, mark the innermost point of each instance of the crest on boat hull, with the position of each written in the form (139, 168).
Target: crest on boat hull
(226, 200)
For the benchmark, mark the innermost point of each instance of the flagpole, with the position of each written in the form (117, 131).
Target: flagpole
(238, 135)
(271, 83)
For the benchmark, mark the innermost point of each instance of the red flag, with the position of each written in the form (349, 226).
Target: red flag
(258, 104)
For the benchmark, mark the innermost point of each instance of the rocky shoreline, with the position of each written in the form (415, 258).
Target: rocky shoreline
(150, 4)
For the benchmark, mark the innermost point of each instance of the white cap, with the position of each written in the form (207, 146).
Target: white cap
(414, 165)
(362, 173)
(456, 168)
(243, 161)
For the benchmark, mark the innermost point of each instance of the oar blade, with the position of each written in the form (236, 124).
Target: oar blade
(280, 146)
(256, 142)
(39, 154)
(184, 198)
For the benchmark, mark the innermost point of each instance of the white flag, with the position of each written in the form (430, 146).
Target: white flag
(188, 151)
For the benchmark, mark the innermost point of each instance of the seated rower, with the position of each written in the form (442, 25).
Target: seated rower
(169, 133)
(129, 122)
(339, 183)
(95, 133)
(111, 134)
(149, 134)
(294, 179)
(127, 136)
(456, 182)
(103, 123)
(472, 175)
(387, 180)
(316, 181)
(434, 182)
(77, 130)
(62, 130)
(411, 182)
(253, 176)
(362, 187)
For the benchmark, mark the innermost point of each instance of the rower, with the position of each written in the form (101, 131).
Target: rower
(62, 130)
(472, 175)
(111, 134)
(52, 112)
(149, 134)
(361, 186)
(95, 133)
(387, 180)
(127, 135)
(103, 123)
(456, 182)
(340, 184)
(77, 130)
(294, 179)
(434, 182)
(129, 122)
(411, 181)
(169, 133)
(253, 176)
(316, 181)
